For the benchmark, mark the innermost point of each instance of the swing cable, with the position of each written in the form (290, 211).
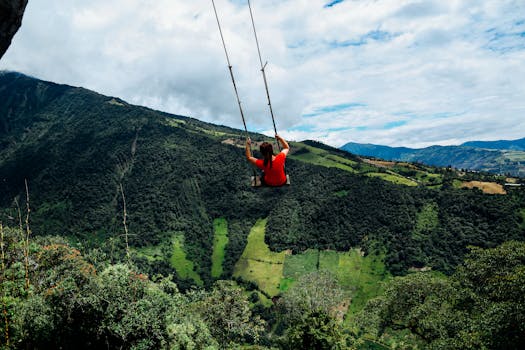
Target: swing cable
(230, 68)
(263, 66)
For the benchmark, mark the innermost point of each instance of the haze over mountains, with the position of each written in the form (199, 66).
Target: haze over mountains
(500, 157)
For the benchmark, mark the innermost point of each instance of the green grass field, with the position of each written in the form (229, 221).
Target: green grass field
(300, 264)
(220, 240)
(360, 275)
(258, 264)
(181, 264)
(341, 160)
(274, 272)
(329, 260)
(323, 158)
(397, 179)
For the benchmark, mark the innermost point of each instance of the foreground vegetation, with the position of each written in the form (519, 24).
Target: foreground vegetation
(75, 300)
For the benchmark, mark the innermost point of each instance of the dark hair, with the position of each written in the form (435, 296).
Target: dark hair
(267, 152)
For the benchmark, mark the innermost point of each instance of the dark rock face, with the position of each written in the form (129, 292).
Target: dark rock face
(11, 13)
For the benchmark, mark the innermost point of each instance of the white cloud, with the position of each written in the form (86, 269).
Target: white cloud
(448, 71)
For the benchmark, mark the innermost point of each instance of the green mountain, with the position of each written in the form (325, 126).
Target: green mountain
(186, 181)
(499, 157)
(516, 145)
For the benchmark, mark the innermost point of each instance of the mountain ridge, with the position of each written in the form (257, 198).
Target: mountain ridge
(486, 156)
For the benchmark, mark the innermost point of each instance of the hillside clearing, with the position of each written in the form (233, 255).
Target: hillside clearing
(486, 187)
(360, 275)
(181, 264)
(258, 264)
(379, 163)
(393, 178)
(220, 240)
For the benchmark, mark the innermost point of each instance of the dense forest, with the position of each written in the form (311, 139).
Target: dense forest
(96, 193)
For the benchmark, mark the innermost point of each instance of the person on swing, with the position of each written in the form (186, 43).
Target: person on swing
(272, 166)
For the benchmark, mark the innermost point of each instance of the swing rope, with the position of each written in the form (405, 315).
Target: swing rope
(230, 68)
(263, 66)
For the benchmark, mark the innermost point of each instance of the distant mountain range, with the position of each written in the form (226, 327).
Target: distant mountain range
(515, 145)
(502, 157)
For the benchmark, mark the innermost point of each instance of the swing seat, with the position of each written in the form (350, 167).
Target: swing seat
(255, 181)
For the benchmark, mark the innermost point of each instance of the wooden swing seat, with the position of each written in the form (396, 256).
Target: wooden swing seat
(255, 181)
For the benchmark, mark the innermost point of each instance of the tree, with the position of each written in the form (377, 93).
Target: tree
(493, 281)
(317, 330)
(308, 311)
(482, 306)
(227, 313)
(314, 292)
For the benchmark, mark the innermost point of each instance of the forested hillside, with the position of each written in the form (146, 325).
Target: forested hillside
(76, 147)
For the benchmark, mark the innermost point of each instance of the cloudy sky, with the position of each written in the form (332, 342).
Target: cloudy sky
(393, 72)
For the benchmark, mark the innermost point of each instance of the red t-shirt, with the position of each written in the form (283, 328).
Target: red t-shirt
(275, 175)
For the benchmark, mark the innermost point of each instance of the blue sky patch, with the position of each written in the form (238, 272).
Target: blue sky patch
(375, 35)
(333, 3)
(504, 41)
(334, 108)
(392, 125)
(303, 127)
(343, 128)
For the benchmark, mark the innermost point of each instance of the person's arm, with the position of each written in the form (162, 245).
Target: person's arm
(251, 159)
(286, 147)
